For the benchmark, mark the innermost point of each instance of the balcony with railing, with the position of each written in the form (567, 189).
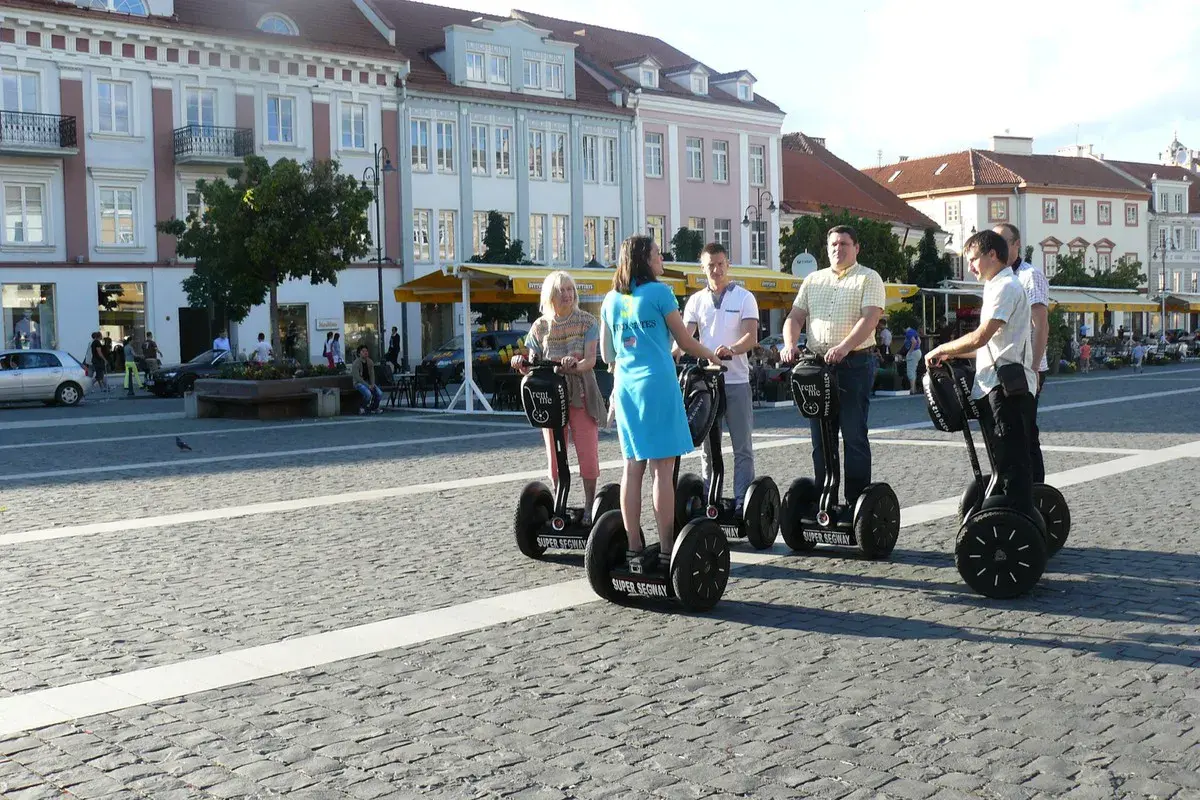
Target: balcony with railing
(208, 144)
(27, 133)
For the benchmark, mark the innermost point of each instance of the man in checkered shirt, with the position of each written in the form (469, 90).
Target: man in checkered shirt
(841, 305)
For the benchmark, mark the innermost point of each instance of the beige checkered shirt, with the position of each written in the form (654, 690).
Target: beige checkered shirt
(835, 303)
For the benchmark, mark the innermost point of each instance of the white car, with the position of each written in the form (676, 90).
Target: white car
(51, 376)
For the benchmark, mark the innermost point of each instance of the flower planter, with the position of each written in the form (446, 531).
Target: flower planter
(270, 399)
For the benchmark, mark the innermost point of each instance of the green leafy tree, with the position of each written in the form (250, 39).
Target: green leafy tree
(1125, 274)
(879, 248)
(901, 316)
(686, 245)
(268, 224)
(930, 268)
(497, 249)
(1070, 271)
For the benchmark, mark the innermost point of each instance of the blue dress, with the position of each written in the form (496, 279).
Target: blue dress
(650, 416)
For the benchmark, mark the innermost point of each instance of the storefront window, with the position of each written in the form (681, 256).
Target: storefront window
(123, 312)
(361, 323)
(293, 332)
(29, 318)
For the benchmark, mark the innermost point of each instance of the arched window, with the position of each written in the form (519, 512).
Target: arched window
(277, 23)
(124, 6)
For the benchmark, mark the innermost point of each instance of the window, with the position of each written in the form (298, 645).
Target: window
(475, 67)
(503, 151)
(1176, 280)
(419, 131)
(361, 323)
(697, 224)
(562, 239)
(1049, 210)
(721, 232)
(610, 240)
(421, 235)
(447, 232)
(479, 149)
(1177, 238)
(533, 74)
(1162, 237)
(1131, 214)
(19, 91)
(997, 209)
(445, 147)
(193, 203)
(558, 156)
(1078, 212)
(590, 226)
(1049, 261)
(537, 237)
(200, 107)
(758, 242)
(758, 165)
(1163, 206)
(28, 318)
(121, 6)
(1104, 212)
(610, 159)
(1196, 238)
(1104, 261)
(116, 217)
(113, 112)
(721, 162)
(498, 69)
(479, 221)
(655, 227)
(744, 92)
(1178, 206)
(699, 84)
(953, 212)
(654, 155)
(354, 126)
(554, 77)
(537, 155)
(591, 157)
(122, 308)
(695, 158)
(281, 113)
(24, 214)
(650, 78)
(277, 23)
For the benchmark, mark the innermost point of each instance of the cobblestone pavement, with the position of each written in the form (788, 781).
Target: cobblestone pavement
(819, 675)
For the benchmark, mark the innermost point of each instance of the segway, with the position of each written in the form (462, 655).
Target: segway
(542, 520)
(813, 515)
(1000, 552)
(703, 389)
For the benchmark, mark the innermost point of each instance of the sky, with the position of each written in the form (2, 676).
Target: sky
(925, 77)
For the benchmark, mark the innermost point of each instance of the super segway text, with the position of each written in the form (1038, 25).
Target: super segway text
(562, 542)
(640, 589)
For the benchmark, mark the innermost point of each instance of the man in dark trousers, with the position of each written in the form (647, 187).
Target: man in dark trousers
(393, 351)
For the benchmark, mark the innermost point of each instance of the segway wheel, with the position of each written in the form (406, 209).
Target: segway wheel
(1000, 553)
(877, 521)
(1051, 504)
(689, 500)
(607, 499)
(972, 498)
(760, 513)
(799, 503)
(605, 552)
(700, 565)
(534, 509)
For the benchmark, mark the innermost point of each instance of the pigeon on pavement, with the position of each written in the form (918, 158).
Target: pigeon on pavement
(181, 444)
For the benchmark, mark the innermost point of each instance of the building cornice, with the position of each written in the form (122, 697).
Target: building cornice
(651, 101)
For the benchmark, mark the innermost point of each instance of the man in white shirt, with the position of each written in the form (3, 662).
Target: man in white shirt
(221, 342)
(1037, 289)
(726, 315)
(1002, 339)
(262, 350)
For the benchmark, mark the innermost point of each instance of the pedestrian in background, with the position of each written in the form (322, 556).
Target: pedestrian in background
(132, 375)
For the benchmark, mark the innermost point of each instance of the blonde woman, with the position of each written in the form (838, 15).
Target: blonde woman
(569, 335)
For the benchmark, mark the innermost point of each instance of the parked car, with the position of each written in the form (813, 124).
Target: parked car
(776, 341)
(179, 378)
(51, 376)
(492, 350)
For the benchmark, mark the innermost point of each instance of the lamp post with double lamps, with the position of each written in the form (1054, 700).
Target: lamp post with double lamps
(372, 175)
(1160, 253)
(757, 210)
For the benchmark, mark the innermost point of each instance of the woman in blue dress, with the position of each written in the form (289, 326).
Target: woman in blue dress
(640, 317)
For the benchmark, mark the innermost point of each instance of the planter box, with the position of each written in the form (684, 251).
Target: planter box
(280, 399)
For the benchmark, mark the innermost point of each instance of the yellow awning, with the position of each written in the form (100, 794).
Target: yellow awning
(1074, 300)
(1120, 300)
(498, 283)
(754, 279)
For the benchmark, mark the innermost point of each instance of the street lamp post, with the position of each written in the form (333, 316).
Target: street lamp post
(372, 175)
(1161, 252)
(757, 209)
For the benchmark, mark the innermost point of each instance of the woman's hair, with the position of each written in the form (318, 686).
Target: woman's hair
(634, 266)
(552, 289)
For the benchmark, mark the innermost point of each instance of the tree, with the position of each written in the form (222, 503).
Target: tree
(497, 249)
(930, 268)
(1125, 274)
(1070, 271)
(268, 224)
(879, 248)
(686, 245)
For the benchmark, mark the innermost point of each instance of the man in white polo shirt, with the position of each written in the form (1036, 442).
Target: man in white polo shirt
(726, 315)
(1000, 343)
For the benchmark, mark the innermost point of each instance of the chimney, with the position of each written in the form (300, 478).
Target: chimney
(903, 159)
(1014, 145)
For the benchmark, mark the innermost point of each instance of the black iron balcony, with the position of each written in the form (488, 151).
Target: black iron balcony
(25, 132)
(208, 144)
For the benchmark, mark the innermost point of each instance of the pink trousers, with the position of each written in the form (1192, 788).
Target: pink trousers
(583, 431)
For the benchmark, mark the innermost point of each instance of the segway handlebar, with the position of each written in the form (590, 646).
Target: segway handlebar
(704, 363)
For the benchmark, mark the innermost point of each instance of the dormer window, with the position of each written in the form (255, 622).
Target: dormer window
(475, 70)
(649, 78)
(699, 84)
(121, 6)
(745, 93)
(278, 24)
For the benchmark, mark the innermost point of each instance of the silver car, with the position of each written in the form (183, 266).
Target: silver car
(52, 376)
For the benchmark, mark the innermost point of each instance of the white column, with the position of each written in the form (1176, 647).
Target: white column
(673, 177)
(639, 177)
(775, 164)
(743, 198)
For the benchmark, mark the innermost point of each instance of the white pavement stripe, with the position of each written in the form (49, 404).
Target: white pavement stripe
(45, 707)
(960, 443)
(64, 420)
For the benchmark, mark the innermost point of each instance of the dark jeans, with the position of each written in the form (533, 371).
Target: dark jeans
(1036, 464)
(1009, 421)
(854, 396)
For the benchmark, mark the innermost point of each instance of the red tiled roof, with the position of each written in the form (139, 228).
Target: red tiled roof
(814, 178)
(1145, 172)
(605, 48)
(1064, 171)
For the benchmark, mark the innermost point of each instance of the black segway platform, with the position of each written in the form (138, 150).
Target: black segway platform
(813, 515)
(542, 520)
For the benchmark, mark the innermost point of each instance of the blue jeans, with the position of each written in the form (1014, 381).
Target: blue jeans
(854, 397)
(372, 395)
